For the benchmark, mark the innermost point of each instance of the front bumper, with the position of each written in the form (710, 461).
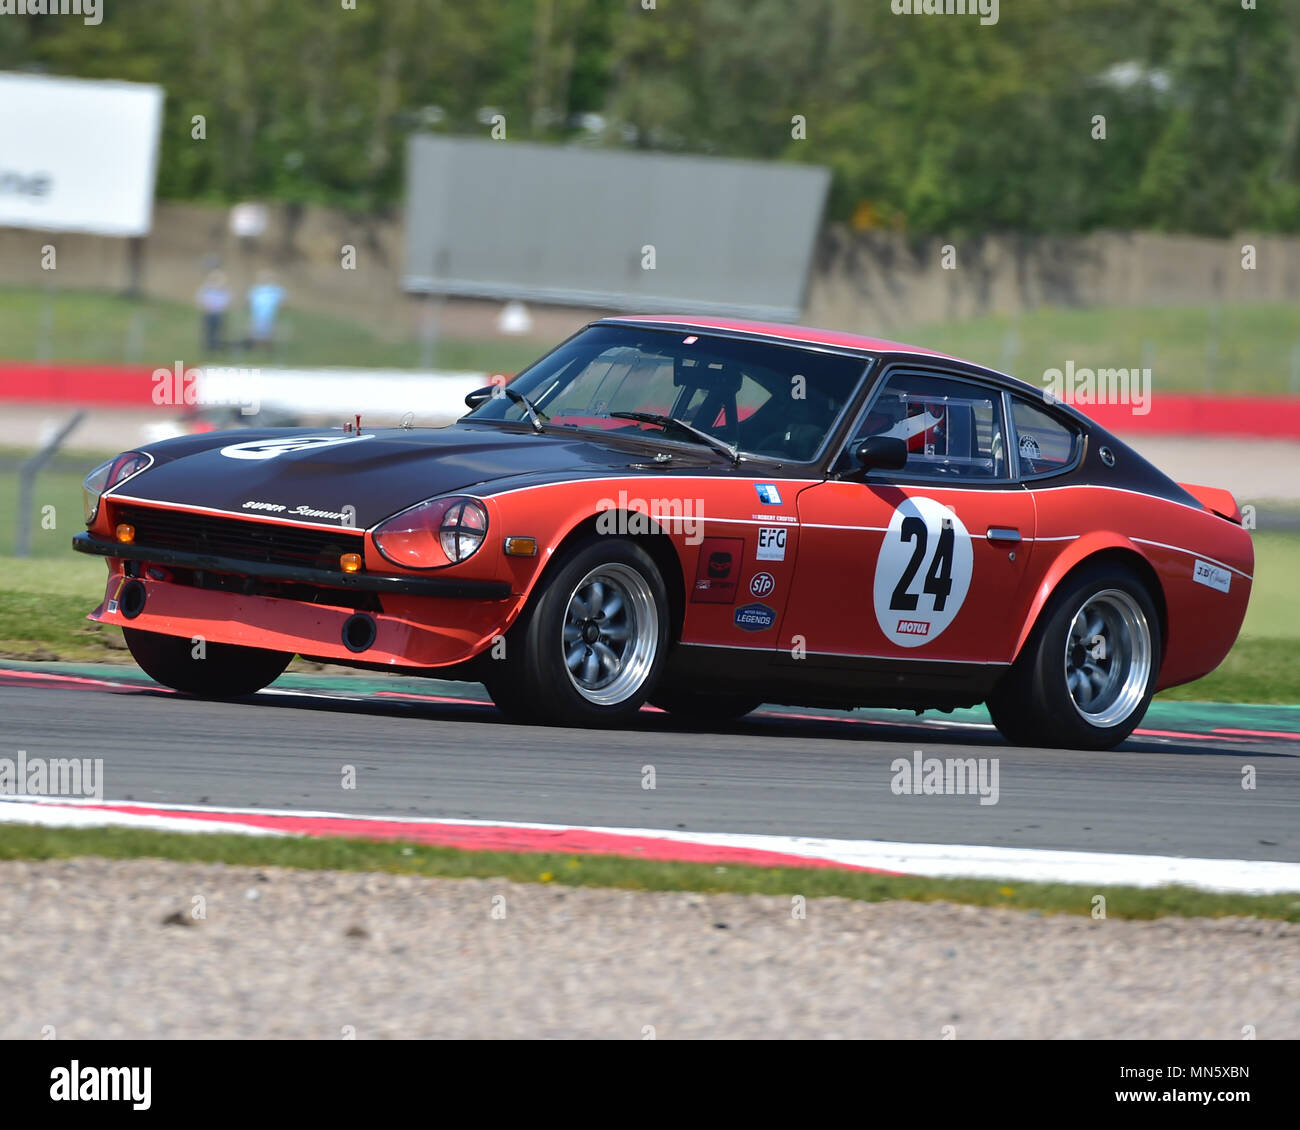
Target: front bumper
(425, 622)
(325, 578)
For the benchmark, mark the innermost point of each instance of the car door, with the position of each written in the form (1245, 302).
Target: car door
(927, 562)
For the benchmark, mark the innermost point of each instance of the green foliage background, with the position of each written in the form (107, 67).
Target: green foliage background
(931, 124)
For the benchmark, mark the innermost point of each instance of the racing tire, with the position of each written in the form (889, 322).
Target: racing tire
(591, 644)
(1086, 675)
(226, 670)
(702, 708)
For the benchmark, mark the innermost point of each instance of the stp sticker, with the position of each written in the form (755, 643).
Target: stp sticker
(761, 584)
(771, 543)
(270, 448)
(923, 572)
(1211, 575)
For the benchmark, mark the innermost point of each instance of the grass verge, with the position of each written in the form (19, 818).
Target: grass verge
(33, 843)
(1231, 348)
(85, 325)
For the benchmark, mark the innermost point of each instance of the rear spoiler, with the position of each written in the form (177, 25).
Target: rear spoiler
(1219, 501)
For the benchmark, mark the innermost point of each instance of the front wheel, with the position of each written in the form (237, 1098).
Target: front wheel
(591, 644)
(209, 670)
(1087, 673)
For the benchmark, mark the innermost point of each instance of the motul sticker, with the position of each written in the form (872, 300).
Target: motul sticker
(923, 572)
(1212, 576)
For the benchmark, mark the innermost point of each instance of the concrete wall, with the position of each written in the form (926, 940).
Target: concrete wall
(872, 281)
(877, 281)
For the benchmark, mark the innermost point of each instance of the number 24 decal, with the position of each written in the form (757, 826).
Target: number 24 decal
(926, 545)
(938, 578)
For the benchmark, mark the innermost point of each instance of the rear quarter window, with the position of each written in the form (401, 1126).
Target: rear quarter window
(1042, 442)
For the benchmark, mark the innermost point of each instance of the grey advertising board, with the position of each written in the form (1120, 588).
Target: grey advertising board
(574, 225)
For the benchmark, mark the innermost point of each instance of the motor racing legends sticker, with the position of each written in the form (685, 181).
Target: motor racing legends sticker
(755, 618)
(270, 448)
(1203, 573)
(923, 572)
(771, 543)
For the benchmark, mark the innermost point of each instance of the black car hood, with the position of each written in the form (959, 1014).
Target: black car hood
(324, 476)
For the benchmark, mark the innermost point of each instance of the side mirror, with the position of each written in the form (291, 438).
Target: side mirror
(882, 453)
(480, 396)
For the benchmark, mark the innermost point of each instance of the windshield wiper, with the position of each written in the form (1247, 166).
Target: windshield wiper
(535, 414)
(666, 422)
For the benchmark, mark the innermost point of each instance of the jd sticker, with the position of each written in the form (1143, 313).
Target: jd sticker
(270, 448)
(923, 572)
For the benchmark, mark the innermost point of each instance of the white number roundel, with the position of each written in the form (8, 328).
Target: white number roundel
(923, 572)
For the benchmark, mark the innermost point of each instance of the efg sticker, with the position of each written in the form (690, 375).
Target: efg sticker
(1213, 576)
(923, 572)
(755, 618)
(771, 543)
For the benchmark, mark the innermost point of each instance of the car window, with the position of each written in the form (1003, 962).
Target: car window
(953, 428)
(1043, 443)
(767, 398)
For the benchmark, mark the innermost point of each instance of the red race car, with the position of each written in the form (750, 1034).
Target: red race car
(703, 514)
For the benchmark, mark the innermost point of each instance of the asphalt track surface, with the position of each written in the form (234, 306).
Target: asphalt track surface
(780, 772)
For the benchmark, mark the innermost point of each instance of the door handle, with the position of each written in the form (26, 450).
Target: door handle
(1003, 535)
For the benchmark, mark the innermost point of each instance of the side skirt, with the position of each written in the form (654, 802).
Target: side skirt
(835, 681)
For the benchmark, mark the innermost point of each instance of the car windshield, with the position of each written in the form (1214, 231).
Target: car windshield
(764, 399)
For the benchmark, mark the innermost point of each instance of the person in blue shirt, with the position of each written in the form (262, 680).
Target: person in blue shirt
(264, 301)
(213, 300)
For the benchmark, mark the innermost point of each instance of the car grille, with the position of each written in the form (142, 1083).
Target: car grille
(257, 542)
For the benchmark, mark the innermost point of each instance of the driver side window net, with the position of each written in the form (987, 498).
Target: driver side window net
(953, 429)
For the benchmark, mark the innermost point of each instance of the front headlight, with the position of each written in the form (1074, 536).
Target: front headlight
(442, 531)
(110, 474)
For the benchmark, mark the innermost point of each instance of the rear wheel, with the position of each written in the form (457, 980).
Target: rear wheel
(1086, 676)
(591, 643)
(222, 670)
(702, 707)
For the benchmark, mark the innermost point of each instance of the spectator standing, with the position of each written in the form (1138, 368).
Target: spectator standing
(264, 302)
(214, 302)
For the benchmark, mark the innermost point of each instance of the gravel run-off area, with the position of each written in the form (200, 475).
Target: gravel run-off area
(111, 949)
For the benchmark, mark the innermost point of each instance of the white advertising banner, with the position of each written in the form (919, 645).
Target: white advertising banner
(78, 154)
